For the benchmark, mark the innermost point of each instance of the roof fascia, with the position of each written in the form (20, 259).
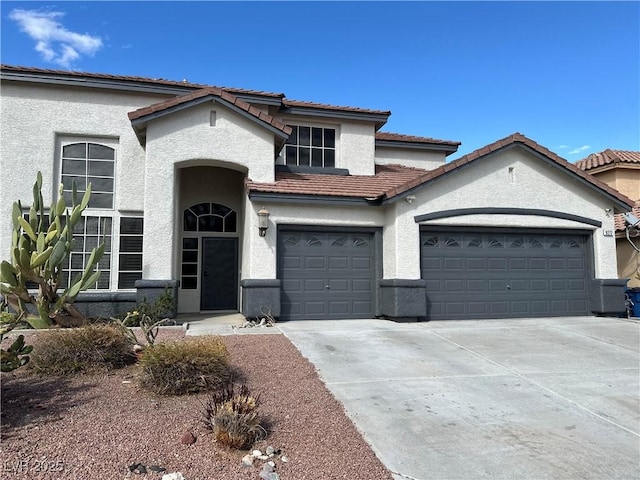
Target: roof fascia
(459, 212)
(312, 199)
(379, 119)
(129, 86)
(417, 146)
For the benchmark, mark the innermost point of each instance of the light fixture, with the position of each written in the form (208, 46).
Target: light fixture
(409, 198)
(263, 221)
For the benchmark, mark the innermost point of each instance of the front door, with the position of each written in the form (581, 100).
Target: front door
(219, 274)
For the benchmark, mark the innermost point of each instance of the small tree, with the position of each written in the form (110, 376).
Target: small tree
(39, 247)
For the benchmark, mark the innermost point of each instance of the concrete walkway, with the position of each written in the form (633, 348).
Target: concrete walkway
(487, 399)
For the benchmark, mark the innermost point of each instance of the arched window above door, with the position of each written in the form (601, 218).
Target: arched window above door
(209, 217)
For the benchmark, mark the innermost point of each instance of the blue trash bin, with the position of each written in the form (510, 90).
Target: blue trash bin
(634, 296)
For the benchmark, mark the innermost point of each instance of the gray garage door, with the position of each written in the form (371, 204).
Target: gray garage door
(502, 274)
(326, 275)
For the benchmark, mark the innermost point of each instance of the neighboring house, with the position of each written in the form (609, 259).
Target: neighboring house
(620, 169)
(247, 201)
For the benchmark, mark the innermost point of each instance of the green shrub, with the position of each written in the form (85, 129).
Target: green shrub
(75, 350)
(185, 367)
(233, 417)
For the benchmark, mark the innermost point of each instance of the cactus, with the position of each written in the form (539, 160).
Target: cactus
(16, 356)
(38, 251)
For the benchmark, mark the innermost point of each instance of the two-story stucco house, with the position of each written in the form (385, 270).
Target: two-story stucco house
(247, 201)
(620, 169)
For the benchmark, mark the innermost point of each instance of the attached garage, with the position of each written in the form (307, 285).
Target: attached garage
(505, 273)
(326, 274)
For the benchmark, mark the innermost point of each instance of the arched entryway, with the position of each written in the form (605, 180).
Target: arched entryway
(210, 211)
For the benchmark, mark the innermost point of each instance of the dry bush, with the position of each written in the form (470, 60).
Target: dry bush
(84, 349)
(180, 368)
(233, 417)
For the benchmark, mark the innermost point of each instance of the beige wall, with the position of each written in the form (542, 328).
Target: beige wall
(628, 261)
(625, 180)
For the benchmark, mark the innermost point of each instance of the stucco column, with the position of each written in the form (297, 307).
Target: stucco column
(159, 214)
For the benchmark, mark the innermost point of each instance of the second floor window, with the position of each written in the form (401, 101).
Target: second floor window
(311, 147)
(85, 163)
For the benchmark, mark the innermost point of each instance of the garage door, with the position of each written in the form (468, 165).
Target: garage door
(326, 275)
(504, 274)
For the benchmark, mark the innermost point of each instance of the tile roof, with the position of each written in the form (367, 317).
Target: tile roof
(160, 82)
(392, 180)
(398, 137)
(205, 92)
(620, 224)
(609, 158)
(323, 106)
(387, 178)
(129, 78)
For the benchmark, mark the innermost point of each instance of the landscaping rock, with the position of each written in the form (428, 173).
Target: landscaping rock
(173, 476)
(247, 460)
(257, 453)
(188, 439)
(270, 450)
(157, 468)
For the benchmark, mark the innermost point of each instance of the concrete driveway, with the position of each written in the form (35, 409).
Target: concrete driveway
(532, 398)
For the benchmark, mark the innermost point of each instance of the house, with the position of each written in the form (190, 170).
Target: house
(620, 169)
(243, 200)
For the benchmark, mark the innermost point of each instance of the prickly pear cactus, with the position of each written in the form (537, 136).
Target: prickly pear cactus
(16, 356)
(39, 247)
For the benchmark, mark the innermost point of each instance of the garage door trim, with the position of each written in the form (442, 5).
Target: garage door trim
(459, 212)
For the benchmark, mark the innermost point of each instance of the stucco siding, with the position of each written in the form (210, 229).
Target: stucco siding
(516, 179)
(259, 257)
(411, 158)
(34, 119)
(625, 180)
(628, 261)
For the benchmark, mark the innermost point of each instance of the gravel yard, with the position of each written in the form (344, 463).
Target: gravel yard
(95, 426)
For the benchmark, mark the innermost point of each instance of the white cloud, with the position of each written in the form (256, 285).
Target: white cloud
(581, 149)
(54, 42)
(562, 147)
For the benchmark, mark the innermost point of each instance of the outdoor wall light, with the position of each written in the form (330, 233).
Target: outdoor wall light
(263, 221)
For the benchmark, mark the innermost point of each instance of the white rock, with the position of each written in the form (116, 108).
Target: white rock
(256, 453)
(173, 476)
(264, 457)
(269, 450)
(247, 460)
(284, 459)
(272, 463)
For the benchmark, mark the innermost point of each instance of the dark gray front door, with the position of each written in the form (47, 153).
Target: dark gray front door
(326, 275)
(219, 274)
(504, 273)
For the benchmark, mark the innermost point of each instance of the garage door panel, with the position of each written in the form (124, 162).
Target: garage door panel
(505, 274)
(476, 264)
(361, 263)
(326, 274)
(453, 263)
(338, 285)
(339, 262)
(312, 285)
(315, 263)
(361, 285)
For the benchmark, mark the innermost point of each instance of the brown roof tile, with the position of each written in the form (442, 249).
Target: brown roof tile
(387, 178)
(620, 224)
(205, 92)
(323, 106)
(398, 137)
(609, 158)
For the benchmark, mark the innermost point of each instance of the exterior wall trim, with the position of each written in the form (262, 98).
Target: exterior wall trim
(415, 145)
(458, 212)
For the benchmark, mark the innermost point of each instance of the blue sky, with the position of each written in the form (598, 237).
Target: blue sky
(566, 74)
